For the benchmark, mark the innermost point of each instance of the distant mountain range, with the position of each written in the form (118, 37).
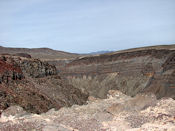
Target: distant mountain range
(99, 52)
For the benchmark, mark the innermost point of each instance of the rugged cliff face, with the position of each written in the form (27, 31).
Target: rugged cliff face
(34, 85)
(9, 70)
(132, 71)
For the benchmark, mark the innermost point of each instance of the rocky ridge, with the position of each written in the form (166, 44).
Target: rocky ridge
(39, 53)
(34, 85)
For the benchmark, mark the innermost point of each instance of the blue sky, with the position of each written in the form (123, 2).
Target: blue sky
(83, 26)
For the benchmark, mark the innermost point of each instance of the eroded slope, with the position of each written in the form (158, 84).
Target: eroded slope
(132, 72)
(34, 85)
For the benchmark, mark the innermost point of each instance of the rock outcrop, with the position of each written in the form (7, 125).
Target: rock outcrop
(132, 72)
(118, 112)
(37, 69)
(23, 55)
(9, 70)
(34, 85)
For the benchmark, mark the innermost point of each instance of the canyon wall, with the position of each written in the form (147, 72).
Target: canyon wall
(143, 70)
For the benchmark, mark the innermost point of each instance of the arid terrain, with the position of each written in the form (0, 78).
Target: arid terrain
(34, 85)
(149, 69)
(116, 113)
(40, 53)
(48, 90)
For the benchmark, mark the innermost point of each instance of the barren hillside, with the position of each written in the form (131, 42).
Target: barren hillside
(41, 53)
(34, 85)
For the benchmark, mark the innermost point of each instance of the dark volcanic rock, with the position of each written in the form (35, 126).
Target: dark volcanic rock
(9, 70)
(35, 86)
(23, 55)
(35, 68)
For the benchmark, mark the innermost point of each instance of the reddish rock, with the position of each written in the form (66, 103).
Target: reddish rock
(35, 86)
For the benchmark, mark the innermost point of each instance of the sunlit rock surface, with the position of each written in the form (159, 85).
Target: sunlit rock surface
(116, 113)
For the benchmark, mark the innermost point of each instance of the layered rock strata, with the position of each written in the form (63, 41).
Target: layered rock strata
(143, 70)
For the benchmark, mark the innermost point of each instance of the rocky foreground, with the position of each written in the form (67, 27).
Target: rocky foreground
(116, 113)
